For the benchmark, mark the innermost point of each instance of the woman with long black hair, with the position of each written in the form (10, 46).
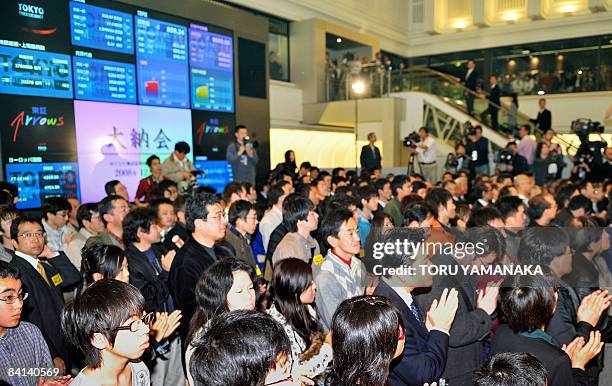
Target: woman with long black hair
(291, 296)
(367, 335)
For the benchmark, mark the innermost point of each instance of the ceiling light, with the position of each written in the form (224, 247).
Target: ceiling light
(568, 9)
(511, 17)
(338, 40)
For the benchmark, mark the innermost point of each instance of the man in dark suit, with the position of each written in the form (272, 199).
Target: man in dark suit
(494, 103)
(426, 344)
(473, 320)
(544, 119)
(45, 274)
(207, 224)
(469, 80)
(370, 154)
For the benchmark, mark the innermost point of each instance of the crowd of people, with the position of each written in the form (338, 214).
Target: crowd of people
(283, 286)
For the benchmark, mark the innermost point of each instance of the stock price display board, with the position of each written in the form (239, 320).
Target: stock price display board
(90, 87)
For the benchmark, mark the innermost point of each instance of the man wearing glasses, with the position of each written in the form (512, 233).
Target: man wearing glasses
(56, 213)
(45, 274)
(206, 222)
(22, 345)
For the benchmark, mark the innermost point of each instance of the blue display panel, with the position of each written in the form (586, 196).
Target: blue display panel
(104, 80)
(36, 73)
(101, 28)
(161, 53)
(216, 173)
(211, 56)
(37, 181)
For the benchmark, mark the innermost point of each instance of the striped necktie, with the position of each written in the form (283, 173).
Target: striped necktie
(41, 269)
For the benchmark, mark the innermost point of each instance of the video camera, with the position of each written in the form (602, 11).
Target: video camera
(247, 142)
(411, 140)
(504, 156)
(583, 127)
(469, 128)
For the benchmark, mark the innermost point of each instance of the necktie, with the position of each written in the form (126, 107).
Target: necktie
(417, 313)
(41, 269)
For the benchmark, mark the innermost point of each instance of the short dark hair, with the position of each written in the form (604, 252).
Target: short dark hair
(365, 193)
(438, 196)
(295, 208)
(239, 348)
(366, 331)
(211, 291)
(7, 271)
(397, 182)
(101, 308)
(332, 221)
(417, 211)
(528, 302)
(182, 147)
(231, 188)
(151, 159)
(563, 194)
(109, 187)
(139, 218)
(238, 127)
(540, 245)
(106, 205)
(85, 212)
(165, 184)
(380, 184)
(483, 216)
(155, 204)
(537, 205)
(276, 192)
(491, 240)
(53, 205)
(196, 208)
(511, 369)
(8, 212)
(508, 206)
(239, 209)
(101, 258)
(24, 219)
(306, 165)
(580, 201)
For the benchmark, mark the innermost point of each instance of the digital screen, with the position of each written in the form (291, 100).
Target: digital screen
(216, 174)
(41, 127)
(37, 73)
(104, 80)
(212, 133)
(212, 69)
(40, 25)
(161, 52)
(37, 181)
(101, 28)
(114, 140)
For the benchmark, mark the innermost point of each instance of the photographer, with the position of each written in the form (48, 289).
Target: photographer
(478, 149)
(555, 151)
(457, 161)
(508, 160)
(544, 165)
(426, 155)
(588, 161)
(242, 156)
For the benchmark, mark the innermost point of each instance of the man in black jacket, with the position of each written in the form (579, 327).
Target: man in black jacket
(469, 80)
(370, 155)
(544, 119)
(494, 102)
(45, 274)
(149, 273)
(207, 224)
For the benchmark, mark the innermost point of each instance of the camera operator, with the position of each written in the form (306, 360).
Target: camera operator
(509, 160)
(426, 156)
(556, 153)
(588, 160)
(478, 150)
(457, 161)
(242, 155)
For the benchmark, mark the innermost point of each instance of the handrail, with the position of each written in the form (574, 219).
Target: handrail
(456, 82)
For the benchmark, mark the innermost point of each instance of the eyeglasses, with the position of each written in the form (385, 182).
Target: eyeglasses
(11, 299)
(136, 325)
(31, 235)
(216, 217)
(62, 213)
(251, 218)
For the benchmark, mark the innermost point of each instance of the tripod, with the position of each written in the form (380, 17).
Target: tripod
(411, 161)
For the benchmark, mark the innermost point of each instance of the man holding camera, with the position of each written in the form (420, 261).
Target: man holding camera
(458, 161)
(515, 163)
(478, 149)
(426, 155)
(242, 156)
